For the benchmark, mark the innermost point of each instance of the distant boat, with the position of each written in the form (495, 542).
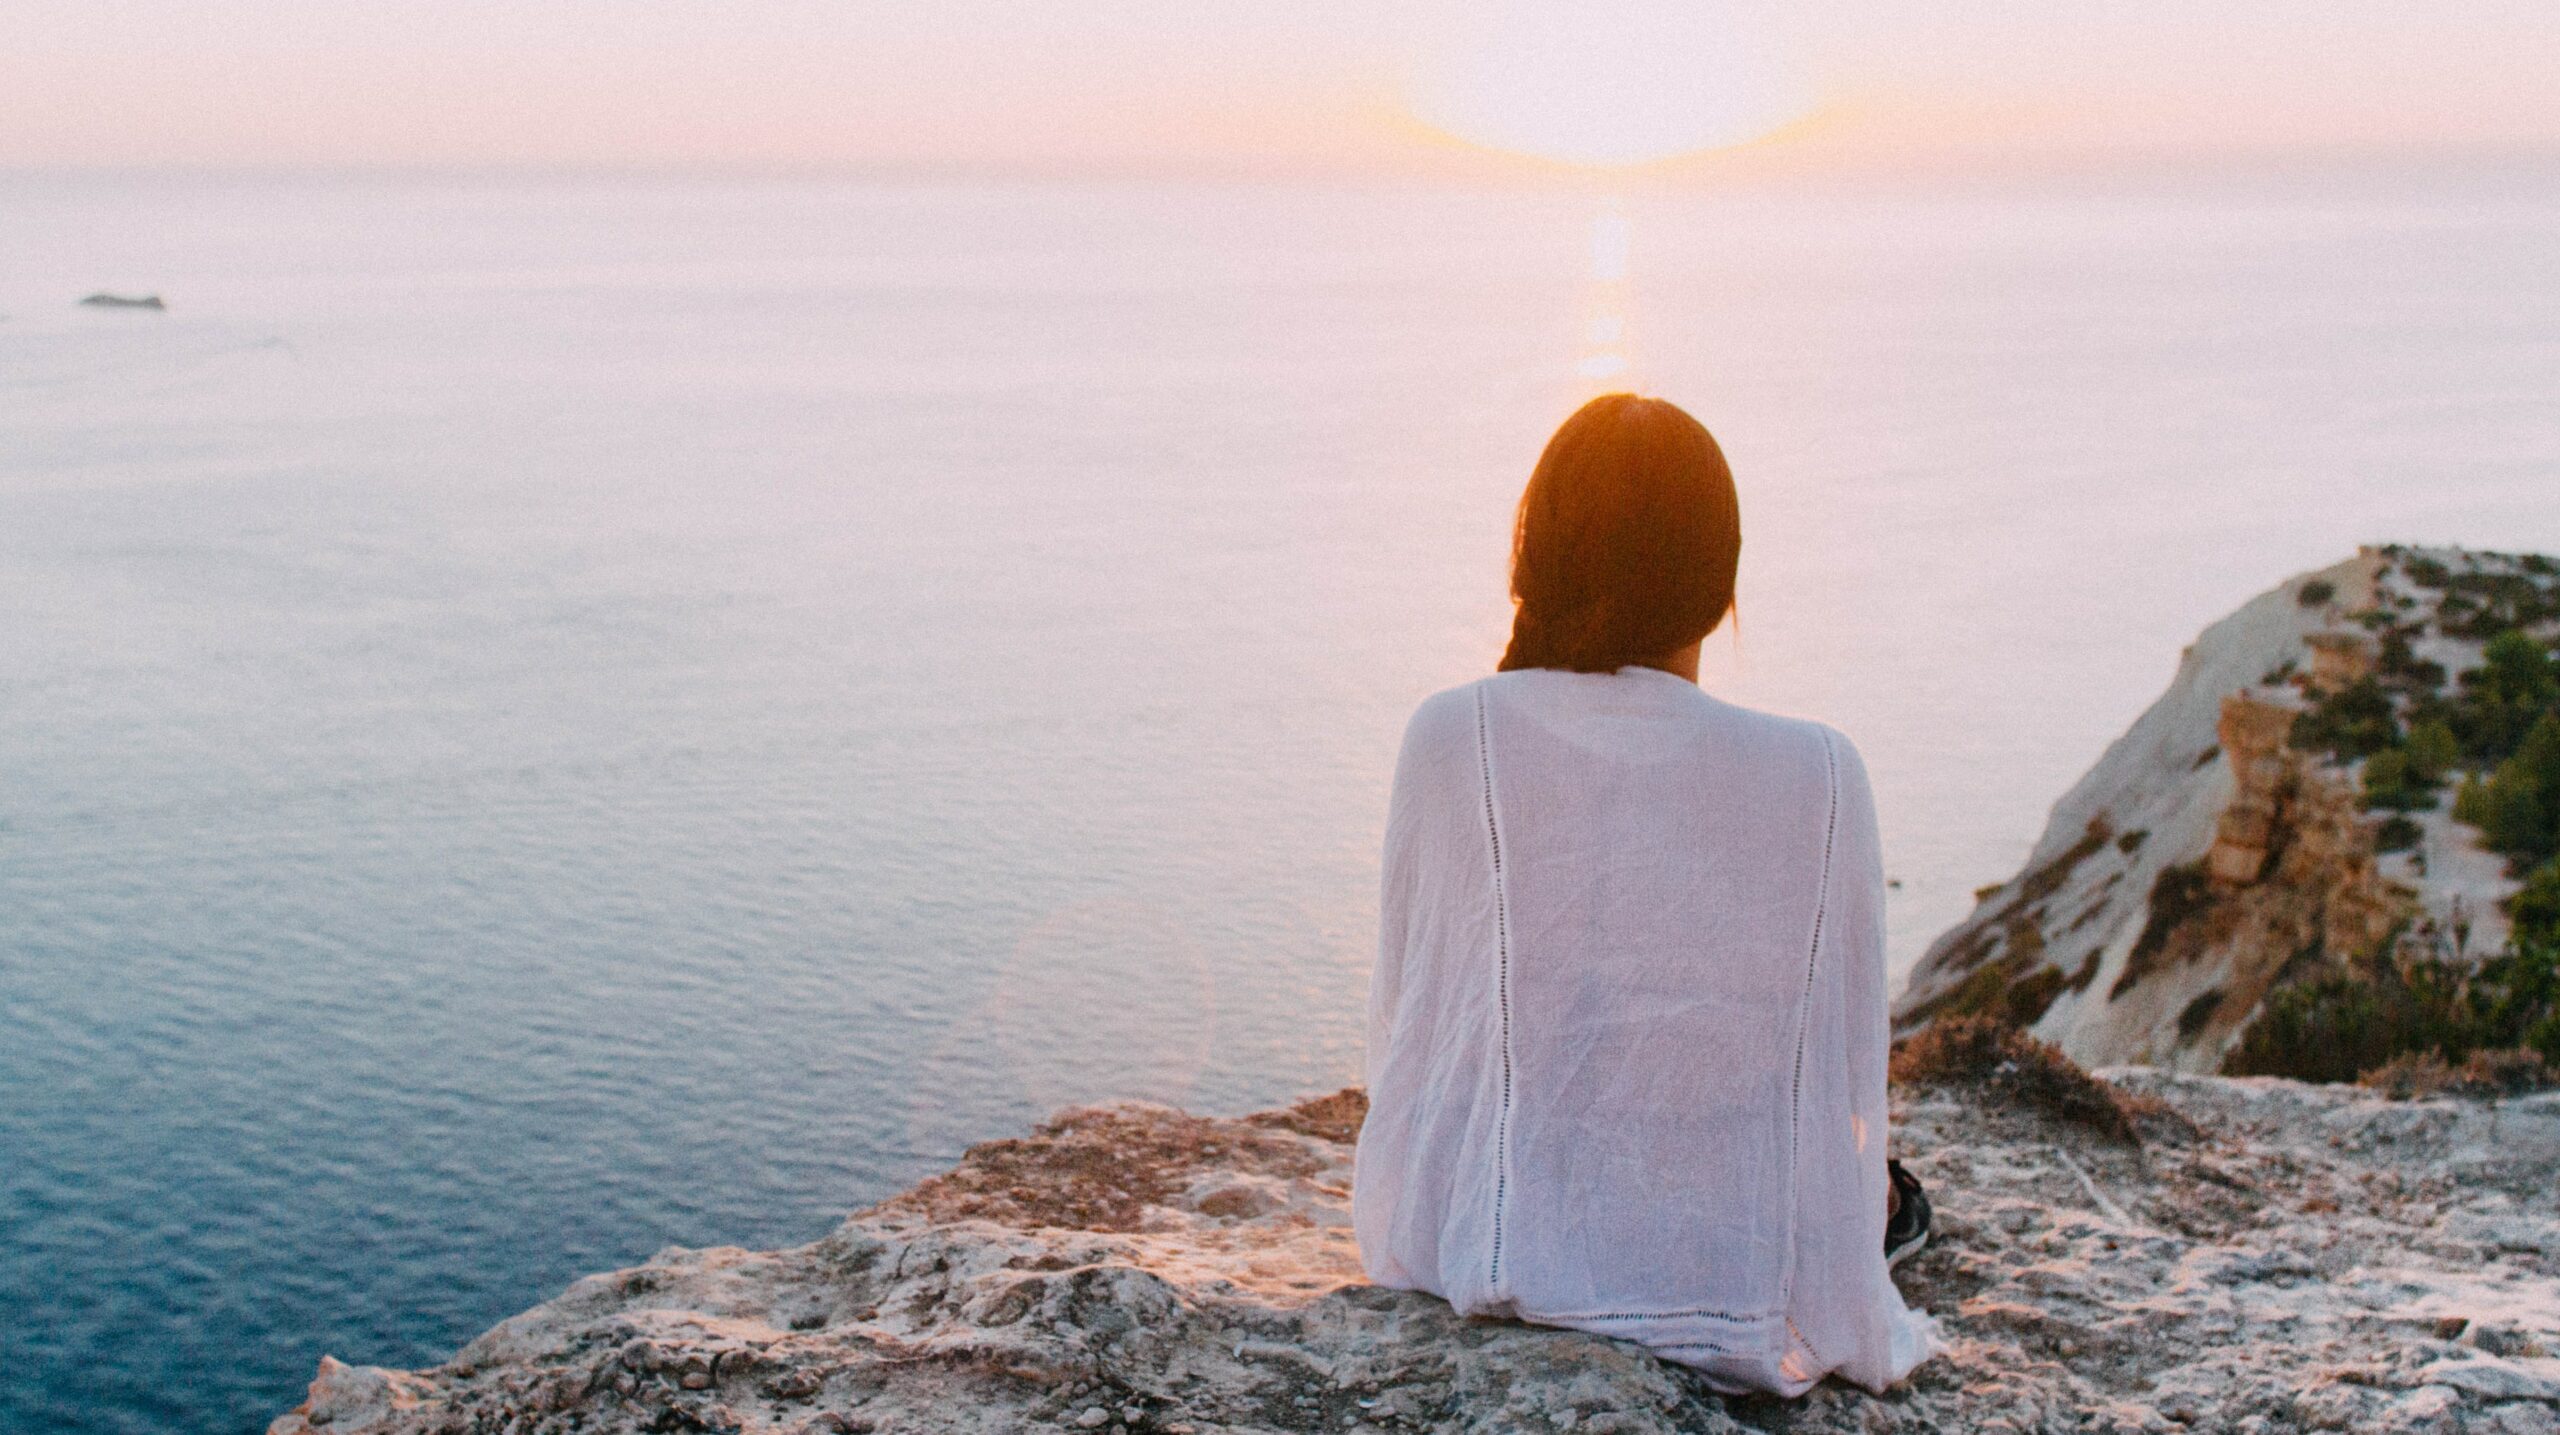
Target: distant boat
(121, 301)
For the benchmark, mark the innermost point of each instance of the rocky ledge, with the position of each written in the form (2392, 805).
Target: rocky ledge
(2167, 1252)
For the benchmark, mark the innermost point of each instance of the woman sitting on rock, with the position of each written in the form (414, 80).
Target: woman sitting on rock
(1627, 1030)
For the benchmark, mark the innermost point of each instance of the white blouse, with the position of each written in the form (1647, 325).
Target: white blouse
(1627, 1030)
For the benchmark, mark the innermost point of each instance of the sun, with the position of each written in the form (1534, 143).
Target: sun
(1606, 82)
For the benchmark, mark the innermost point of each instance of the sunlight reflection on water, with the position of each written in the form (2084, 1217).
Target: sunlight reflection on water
(1605, 361)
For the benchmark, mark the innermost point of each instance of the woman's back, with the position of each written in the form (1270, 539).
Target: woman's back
(1627, 1033)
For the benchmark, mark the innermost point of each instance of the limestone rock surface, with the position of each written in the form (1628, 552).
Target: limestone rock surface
(2270, 1257)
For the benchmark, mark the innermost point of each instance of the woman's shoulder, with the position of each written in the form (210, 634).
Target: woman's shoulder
(1811, 735)
(1446, 718)
(1454, 717)
(1817, 744)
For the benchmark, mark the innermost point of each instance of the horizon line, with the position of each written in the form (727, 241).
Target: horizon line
(1774, 164)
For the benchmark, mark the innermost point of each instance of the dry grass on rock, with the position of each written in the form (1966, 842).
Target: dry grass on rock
(2010, 1068)
(2517, 1071)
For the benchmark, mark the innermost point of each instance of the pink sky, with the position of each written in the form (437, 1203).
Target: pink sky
(1011, 84)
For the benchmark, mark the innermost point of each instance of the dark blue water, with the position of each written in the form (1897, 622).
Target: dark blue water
(540, 722)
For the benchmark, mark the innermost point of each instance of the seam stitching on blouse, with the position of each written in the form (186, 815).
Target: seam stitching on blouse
(1502, 991)
(1807, 1342)
(1804, 1017)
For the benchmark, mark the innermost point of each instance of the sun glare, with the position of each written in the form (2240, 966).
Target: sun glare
(1620, 82)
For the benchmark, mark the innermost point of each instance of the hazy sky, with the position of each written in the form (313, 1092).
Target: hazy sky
(1230, 83)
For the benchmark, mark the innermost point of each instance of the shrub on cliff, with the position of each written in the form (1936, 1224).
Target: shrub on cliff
(2405, 778)
(2432, 750)
(2337, 1028)
(2536, 909)
(2427, 572)
(2518, 808)
(2515, 687)
(1997, 993)
(2014, 990)
(2341, 1027)
(2355, 721)
(1989, 1055)
(2402, 668)
(2391, 786)
(2481, 604)
(2514, 998)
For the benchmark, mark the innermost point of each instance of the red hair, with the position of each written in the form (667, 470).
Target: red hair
(1627, 539)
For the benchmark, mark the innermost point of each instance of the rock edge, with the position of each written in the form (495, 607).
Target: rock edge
(2286, 1257)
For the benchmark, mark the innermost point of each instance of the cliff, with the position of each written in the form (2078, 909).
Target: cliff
(2239, 1255)
(2211, 857)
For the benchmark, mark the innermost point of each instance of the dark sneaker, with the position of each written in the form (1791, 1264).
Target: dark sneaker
(1907, 1230)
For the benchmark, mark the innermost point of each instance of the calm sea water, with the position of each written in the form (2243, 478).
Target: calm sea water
(540, 721)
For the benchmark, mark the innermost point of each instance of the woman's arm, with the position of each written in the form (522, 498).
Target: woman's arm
(1846, 1308)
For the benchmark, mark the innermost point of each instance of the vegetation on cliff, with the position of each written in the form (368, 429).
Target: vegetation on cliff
(2502, 721)
(2343, 842)
(2341, 1027)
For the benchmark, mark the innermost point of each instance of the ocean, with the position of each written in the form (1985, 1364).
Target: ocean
(542, 719)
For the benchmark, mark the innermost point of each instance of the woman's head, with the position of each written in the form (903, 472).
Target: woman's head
(1627, 539)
